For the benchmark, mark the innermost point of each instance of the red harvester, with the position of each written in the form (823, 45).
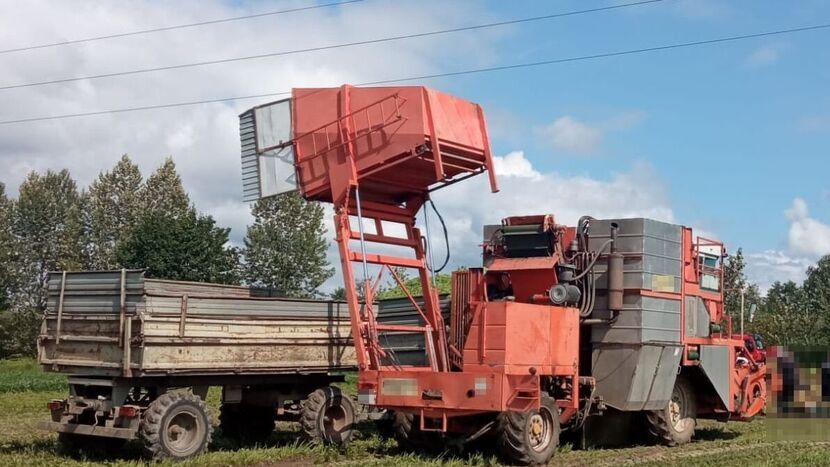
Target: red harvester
(561, 324)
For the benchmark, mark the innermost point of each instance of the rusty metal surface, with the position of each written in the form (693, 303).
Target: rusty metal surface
(195, 328)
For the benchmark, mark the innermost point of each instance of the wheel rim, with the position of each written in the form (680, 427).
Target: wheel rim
(183, 432)
(540, 430)
(678, 408)
(334, 421)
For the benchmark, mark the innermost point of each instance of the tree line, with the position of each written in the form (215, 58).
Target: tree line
(122, 220)
(789, 313)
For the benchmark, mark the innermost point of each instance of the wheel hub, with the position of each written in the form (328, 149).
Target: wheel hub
(539, 431)
(182, 431)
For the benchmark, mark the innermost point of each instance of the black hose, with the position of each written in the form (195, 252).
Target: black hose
(446, 236)
(596, 257)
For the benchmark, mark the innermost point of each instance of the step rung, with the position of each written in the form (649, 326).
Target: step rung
(390, 260)
(399, 328)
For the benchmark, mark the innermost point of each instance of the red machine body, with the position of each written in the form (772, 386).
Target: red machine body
(520, 328)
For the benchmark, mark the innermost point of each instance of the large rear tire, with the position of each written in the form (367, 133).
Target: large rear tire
(176, 426)
(327, 416)
(675, 424)
(532, 437)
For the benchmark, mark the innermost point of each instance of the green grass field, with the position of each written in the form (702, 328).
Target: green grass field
(25, 390)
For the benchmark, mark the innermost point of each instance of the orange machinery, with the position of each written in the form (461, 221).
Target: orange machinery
(540, 338)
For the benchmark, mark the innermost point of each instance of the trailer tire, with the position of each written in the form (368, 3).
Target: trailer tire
(529, 438)
(675, 424)
(328, 416)
(246, 423)
(176, 426)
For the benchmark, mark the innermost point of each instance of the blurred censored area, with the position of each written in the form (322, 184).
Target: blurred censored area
(798, 408)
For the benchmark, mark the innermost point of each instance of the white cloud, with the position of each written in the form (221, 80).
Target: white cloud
(764, 56)
(807, 236)
(570, 134)
(203, 140)
(808, 239)
(770, 266)
(524, 190)
(467, 206)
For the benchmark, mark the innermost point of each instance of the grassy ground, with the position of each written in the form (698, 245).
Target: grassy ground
(25, 390)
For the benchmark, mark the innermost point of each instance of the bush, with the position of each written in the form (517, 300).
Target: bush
(18, 333)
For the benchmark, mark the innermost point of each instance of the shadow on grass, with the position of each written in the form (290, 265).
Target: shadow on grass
(715, 434)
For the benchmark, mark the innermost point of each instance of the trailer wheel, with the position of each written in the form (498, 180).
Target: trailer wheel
(246, 423)
(176, 426)
(327, 416)
(674, 425)
(529, 437)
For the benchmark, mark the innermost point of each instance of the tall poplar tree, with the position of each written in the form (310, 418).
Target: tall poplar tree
(113, 207)
(285, 248)
(164, 193)
(48, 235)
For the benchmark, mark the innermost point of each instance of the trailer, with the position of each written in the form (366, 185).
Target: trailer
(140, 355)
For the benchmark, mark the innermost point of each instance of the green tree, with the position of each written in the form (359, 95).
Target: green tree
(338, 294)
(164, 193)
(816, 290)
(443, 285)
(7, 250)
(735, 281)
(113, 207)
(189, 247)
(786, 318)
(48, 237)
(285, 248)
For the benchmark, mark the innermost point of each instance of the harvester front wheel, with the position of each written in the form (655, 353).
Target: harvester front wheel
(675, 424)
(328, 416)
(527, 438)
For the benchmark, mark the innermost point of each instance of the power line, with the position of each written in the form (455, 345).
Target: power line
(329, 47)
(178, 26)
(439, 75)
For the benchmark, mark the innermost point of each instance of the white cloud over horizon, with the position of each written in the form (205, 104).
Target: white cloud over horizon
(202, 140)
(808, 239)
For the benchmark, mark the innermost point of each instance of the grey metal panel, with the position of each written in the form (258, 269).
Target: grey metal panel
(632, 377)
(651, 261)
(267, 173)
(250, 179)
(697, 318)
(715, 363)
(642, 320)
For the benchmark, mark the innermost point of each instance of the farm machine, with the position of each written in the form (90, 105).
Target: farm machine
(560, 324)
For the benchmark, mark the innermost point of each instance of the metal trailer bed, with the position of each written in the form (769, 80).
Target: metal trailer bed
(141, 354)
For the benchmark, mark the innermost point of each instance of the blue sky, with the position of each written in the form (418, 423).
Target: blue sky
(726, 126)
(735, 131)
(730, 138)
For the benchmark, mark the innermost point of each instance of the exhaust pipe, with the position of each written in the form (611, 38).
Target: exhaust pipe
(615, 274)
